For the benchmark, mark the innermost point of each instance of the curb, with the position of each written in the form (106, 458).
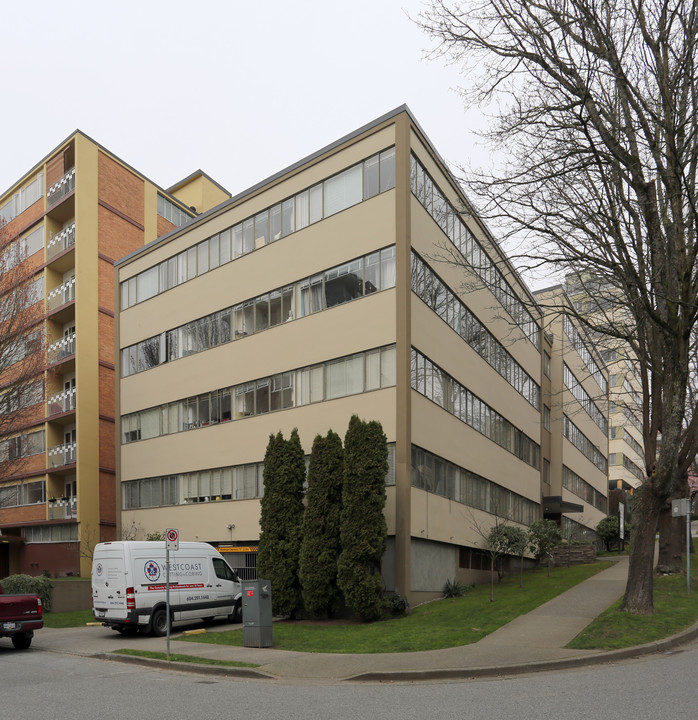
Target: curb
(601, 658)
(457, 673)
(201, 669)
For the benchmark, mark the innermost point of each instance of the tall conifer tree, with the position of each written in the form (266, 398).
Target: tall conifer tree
(363, 526)
(320, 544)
(280, 522)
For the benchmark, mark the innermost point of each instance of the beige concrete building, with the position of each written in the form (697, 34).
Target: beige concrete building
(315, 295)
(597, 299)
(575, 415)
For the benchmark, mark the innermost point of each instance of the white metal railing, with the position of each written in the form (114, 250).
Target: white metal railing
(61, 349)
(62, 508)
(62, 402)
(61, 295)
(60, 455)
(61, 241)
(61, 188)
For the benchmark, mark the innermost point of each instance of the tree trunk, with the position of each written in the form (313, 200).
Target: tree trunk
(638, 598)
(491, 578)
(672, 540)
(672, 533)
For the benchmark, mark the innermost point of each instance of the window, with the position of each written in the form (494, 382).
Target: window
(546, 417)
(447, 217)
(377, 174)
(441, 389)
(546, 364)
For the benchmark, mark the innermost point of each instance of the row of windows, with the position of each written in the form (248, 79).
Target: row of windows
(357, 183)
(435, 475)
(171, 212)
(239, 482)
(25, 493)
(433, 291)
(621, 432)
(344, 376)
(21, 297)
(21, 200)
(582, 489)
(20, 396)
(628, 464)
(629, 414)
(583, 444)
(50, 533)
(22, 249)
(584, 399)
(236, 482)
(448, 219)
(574, 531)
(336, 286)
(21, 446)
(583, 351)
(436, 385)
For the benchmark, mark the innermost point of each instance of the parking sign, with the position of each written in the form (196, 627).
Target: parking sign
(172, 539)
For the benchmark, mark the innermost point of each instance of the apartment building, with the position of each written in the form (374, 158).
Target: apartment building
(597, 299)
(65, 223)
(575, 421)
(319, 293)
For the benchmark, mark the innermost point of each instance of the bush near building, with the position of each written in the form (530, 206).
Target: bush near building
(281, 521)
(363, 527)
(320, 544)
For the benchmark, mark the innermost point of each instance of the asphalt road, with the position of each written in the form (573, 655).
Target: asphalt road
(38, 684)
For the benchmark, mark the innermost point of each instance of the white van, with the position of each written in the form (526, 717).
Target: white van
(129, 590)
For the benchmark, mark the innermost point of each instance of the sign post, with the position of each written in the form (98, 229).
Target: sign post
(171, 543)
(621, 525)
(681, 507)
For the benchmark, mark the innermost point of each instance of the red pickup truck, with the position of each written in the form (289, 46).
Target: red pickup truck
(20, 615)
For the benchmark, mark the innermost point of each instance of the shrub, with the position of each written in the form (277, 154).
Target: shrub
(320, 542)
(453, 589)
(28, 585)
(397, 604)
(363, 528)
(280, 522)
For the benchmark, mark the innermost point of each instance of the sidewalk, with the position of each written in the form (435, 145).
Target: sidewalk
(535, 641)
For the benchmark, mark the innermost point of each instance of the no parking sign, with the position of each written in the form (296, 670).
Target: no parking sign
(172, 539)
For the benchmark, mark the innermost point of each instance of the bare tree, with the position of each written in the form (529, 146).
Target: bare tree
(598, 119)
(22, 364)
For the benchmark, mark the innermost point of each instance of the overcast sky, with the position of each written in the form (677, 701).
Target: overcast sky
(237, 89)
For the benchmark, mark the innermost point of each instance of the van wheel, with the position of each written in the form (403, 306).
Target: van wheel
(236, 615)
(22, 641)
(158, 623)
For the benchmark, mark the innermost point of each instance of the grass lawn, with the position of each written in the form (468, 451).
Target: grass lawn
(674, 611)
(439, 624)
(76, 618)
(174, 657)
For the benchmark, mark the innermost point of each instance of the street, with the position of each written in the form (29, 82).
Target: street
(40, 683)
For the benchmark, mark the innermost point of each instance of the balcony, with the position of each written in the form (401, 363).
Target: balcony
(59, 190)
(61, 295)
(62, 402)
(61, 241)
(60, 455)
(63, 508)
(61, 349)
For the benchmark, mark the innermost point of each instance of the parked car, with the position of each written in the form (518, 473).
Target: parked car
(20, 615)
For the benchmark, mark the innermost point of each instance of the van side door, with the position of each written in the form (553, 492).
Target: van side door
(225, 586)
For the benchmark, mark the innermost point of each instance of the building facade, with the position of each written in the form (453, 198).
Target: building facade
(597, 300)
(575, 416)
(357, 281)
(64, 224)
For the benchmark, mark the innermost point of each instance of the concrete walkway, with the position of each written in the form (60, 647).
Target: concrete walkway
(535, 641)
